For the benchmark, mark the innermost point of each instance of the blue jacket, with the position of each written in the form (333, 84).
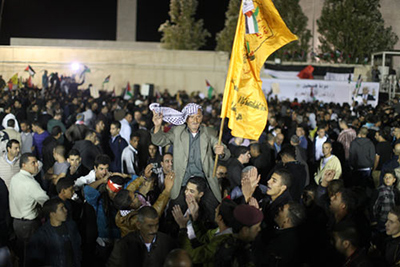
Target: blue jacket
(117, 147)
(106, 226)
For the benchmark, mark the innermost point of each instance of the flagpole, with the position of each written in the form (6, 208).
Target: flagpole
(221, 130)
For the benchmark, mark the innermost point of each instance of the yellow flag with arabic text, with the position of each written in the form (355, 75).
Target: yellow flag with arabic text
(259, 33)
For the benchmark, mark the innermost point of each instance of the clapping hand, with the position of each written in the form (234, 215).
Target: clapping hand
(193, 206)
(178, 216)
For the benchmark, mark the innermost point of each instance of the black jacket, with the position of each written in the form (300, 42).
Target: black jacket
(4, 214)
(392, 253)
(281, 248)
(298, 178)
(46, 247)
(270, 209)
(131, 251)
(362, 153)
(235, 172)
(88, 152)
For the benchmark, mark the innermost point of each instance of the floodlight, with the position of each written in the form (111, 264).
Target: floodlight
(75, 66)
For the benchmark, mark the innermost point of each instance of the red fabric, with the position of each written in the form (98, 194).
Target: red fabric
(306, 73)
(114, 187)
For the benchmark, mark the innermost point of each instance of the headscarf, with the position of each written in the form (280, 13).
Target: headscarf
(173, 116)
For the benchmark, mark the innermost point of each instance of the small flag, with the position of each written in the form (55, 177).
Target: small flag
(29, 82)
(312, 95)
(306, 73)
(210, 90)
(251, 17)
(13, 81)
(113, 93)
(30, 70)
(358, 86)
(107, 79)
(128, 92)
(85, 70)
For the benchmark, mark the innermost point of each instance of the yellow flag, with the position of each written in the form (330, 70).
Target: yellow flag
(14, 79)
(260, 32)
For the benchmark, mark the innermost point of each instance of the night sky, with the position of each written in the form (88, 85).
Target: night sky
(96, 20)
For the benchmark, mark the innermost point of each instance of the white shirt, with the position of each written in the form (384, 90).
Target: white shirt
(325, 161)
(128, 159)
(318, 147)
(126, 130)
(25, 195)
(87, 179)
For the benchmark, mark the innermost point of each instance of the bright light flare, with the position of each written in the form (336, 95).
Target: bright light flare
(75, 66)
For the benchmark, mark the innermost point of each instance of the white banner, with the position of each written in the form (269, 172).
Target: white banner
(326, 91)
(344, 77)
(281, 74)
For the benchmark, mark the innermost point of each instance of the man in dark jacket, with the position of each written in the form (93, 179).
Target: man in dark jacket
(75, 169)
(57, 242)
(391, 164)
(145, 247)
(361, 157)
(277, 196)
(282, 247)
(392, 252)
(236, 165)
(261, 160)
(87, 149)
(49, 144)
(346, 241)
(117, 145)
(297, 170)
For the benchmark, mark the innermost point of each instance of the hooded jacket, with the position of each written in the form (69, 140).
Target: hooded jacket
(362, 153)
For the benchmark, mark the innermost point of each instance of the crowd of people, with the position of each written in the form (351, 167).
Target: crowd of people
(113, 182)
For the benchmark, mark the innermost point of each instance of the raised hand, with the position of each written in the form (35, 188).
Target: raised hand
(169, 181)
(148, 171)
(253, 202)
(193, 206)
(178, 216)
(157, 120)
(254, 177)
(328, 177)
(247, 189)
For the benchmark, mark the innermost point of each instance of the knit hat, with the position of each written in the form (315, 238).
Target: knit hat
(248, 215)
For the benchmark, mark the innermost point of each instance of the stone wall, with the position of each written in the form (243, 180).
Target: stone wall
(175, 70)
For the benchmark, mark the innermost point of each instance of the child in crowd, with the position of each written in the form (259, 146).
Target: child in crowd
(387, 197)
(58, 170)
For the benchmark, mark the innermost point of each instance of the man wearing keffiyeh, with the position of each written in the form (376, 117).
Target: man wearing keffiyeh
(193, 146)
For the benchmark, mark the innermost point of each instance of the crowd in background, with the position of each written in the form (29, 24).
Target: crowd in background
(109, 182)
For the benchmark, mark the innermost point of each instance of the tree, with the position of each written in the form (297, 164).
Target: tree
(292, 15)
(183, 32)
(225, 37)
(295, 19)
(353, 29)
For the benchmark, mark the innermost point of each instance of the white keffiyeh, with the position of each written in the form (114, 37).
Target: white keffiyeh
(173, 116)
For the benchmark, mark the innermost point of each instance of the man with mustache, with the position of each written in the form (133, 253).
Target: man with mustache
(144, 247)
